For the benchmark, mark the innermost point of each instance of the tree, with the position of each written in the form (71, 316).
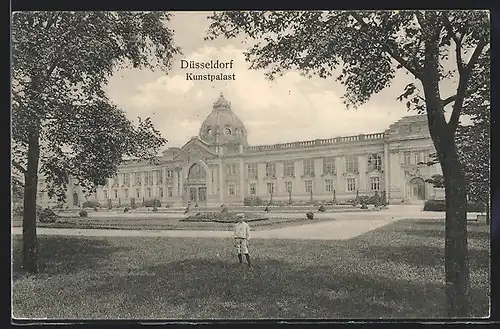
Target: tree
(63, 124)
(473, 140)
(436, 180)
(369, 47)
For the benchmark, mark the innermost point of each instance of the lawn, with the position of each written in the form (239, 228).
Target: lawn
(395, 271)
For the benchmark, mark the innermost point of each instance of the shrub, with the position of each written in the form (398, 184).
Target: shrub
(309, 215)
(220, 217)
(151, 203)
(126, 209)
(18, 210)
(364, 206)
(440, 205)
(321, 208)
(47, 215)
(168, 205)
(253, 201)
(84, 213)
(91, 204)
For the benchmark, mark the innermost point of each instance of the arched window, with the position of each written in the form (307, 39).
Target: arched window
(209, 132)
(227, 131)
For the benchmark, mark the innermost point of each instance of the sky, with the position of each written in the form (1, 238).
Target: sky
(291, 108)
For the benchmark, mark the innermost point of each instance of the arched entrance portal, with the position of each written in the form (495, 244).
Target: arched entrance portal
(196, 185)
(75, 199)
(417, 189)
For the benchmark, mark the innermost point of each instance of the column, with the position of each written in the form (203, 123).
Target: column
(362, 168)
(221, 182)
(143, 189)
(242, 181)
(154, 183)
(180, 182)
(175, 182)
(386, 171)
(318, 181)
(164, 180)
(280, 183)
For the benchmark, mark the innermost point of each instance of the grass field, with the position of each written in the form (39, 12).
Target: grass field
(396, 271)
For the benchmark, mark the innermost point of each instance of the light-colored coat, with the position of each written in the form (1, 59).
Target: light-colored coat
(242, 231)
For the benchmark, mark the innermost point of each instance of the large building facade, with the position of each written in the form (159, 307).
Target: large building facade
(219, 167)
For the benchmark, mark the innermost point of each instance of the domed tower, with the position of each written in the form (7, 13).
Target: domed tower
(222, 127)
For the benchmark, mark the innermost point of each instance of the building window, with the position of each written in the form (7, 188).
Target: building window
(148, 178)
(116, 194)
(138, 192)
(407, 158)
(169, 191)
(169, 174)
(375, 162)
(148, 192)
(308, 184)
(288, 169)
(253, 189)
(329, 185)
(375, 183)
(126, 179)
(159, 177)
(309, 167)
(232, 189)
(351, 184)
(270, 188)
(138, 180)
(227, 131)
(125, 191)
(288, 187)
(253, 171)
(351, 163)
(106, 195)
(329, 166)
(270, 169)
(418, 158)
(231, 169)
(161, 192)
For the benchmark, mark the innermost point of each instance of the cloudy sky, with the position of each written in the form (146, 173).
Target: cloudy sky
(289, 109)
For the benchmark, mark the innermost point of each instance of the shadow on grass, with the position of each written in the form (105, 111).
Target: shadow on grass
(63, 254)
(429, 233)
(275, 289)
(421, 255)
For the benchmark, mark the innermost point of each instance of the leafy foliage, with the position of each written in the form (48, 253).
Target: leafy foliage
(366, 49)
(436, 180)
(474, 140)
(47, 215)
(60, 63)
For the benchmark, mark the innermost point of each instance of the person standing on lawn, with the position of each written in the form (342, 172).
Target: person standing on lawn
(241, 237)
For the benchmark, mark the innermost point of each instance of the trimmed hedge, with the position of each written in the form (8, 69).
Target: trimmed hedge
(227, 217)
(439, 205)
(151, 203)
(91, 204)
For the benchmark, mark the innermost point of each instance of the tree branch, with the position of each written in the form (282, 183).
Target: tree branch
(448, 100)
(463, 83)
(19, 167)
(392, 51)
(457, 40)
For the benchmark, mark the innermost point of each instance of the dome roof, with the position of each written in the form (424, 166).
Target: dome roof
(222, 126)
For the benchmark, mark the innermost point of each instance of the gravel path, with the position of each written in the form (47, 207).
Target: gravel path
(346, 226)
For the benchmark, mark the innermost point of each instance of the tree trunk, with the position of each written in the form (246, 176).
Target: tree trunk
(30, 243)
(456, 253)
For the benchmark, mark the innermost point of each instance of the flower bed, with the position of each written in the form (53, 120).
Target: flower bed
(217, 217)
